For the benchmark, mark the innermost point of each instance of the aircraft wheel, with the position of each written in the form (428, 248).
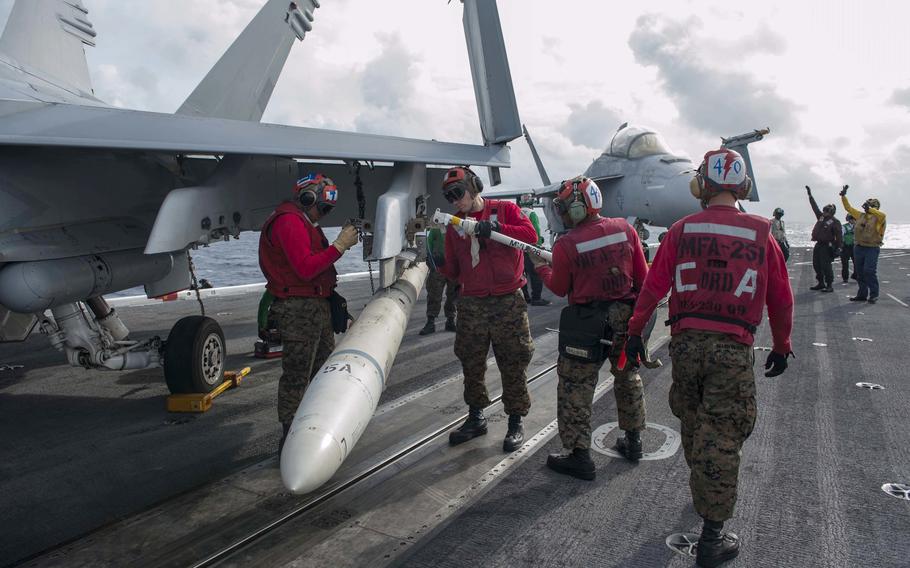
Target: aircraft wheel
(194, 355)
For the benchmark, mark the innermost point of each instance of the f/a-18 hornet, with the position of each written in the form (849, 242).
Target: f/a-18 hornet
(96, 199)
(640, 177)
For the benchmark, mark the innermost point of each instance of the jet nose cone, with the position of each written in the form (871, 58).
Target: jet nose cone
(310, 457)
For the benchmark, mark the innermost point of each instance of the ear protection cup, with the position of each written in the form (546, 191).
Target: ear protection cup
(696, 186)
(578, 211)
(306, 198)
(478, 183)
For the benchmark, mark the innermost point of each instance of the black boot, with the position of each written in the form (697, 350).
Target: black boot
(858, 299)
(577, 464)
(475, 425)
(515, 437)
(285, 428)
(819, 286)
(715, 546)
(450, 324)
(829, 288)
(630, 445)
(430, 327)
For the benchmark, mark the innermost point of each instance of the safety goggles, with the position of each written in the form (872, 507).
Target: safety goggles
(453, 192)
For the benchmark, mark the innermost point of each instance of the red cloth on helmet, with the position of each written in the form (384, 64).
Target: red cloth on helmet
(501, 268)
(685, 264)
(584, 260)
(295, 256)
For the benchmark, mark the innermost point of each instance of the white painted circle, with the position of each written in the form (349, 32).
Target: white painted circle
(669, 447)
(899, 490)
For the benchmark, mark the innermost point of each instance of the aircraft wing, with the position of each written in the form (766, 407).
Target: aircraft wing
(26, 123)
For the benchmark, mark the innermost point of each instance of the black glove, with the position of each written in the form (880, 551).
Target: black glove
(776, 363)
(808, 191)
(485, 228)
(635, 351)
(843, 192)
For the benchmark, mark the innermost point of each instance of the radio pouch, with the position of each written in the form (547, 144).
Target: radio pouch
(340, 316)
(581, 329)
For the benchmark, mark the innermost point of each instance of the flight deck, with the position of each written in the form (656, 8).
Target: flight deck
(96, 472)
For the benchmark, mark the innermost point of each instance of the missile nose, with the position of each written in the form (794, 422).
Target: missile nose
(310, 457)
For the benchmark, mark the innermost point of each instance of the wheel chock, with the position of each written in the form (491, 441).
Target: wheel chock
(201, 402)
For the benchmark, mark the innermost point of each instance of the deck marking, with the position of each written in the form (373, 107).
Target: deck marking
(870, 386)
(683, 543)
(862, 339)
(820, 344)
(899, 490)
(898, 301)
(667, 449)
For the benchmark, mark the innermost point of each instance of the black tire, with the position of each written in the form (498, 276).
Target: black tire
(194, 356)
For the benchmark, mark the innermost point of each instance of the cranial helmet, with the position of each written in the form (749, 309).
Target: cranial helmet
(721, 170)
(318, 190)
(778, 212)
(873, 203)
(850, 217)
(578, 198)
(830, 209)
(458, 180)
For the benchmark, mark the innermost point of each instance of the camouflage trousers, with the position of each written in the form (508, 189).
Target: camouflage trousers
(713, 395)
(307, 340)
(436, 283)
(503, 322)
(577, 380)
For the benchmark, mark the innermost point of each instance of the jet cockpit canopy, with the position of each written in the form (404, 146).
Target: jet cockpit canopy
(636, 142)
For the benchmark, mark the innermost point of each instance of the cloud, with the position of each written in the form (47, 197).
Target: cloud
(711, 92)
(901, 97)
(387, 80)
(592, 124)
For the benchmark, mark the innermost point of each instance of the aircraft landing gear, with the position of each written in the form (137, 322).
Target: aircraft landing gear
(194, 355)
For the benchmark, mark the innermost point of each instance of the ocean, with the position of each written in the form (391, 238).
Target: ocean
(235, 262)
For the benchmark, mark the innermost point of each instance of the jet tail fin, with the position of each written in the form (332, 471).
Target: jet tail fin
(741, 143)
(540, 169)
(499, 122)
(240, 85)
(46, 37)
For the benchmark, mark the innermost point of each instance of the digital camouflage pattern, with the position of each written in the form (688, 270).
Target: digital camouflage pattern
(307, 341)
(436, 284)
(713, 395)
(502, 321)
(578, 379)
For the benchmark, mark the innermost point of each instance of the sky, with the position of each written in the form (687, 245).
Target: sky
(827, 77)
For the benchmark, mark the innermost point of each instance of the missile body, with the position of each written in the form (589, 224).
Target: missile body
(344, 393)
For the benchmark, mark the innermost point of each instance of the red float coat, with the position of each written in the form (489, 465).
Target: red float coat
(501, 268)
(295, 256)
(724, 266)
(601, 259)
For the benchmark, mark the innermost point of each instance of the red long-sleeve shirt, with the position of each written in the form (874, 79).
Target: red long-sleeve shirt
(290, 233)
(501, 268)
(778, 295)
(586, 278)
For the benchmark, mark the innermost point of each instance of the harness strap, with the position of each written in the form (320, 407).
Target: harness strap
(724, 319)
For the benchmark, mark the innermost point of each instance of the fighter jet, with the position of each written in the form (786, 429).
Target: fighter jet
(96, 199)
(640, 177)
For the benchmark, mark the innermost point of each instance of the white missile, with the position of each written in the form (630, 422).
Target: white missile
(344, 393)
(470, 225)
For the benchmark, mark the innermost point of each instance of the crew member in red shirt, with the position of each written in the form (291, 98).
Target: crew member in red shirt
(601, 265)
(298, 264)
(723, 266)
(491, 308)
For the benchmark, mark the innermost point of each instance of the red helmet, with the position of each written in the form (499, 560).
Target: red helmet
(319, 190)
(578, 198)
(721, 170)
(459, 180)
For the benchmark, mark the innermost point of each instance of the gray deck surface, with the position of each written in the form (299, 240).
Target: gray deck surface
(83, 449)
(810, 481)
